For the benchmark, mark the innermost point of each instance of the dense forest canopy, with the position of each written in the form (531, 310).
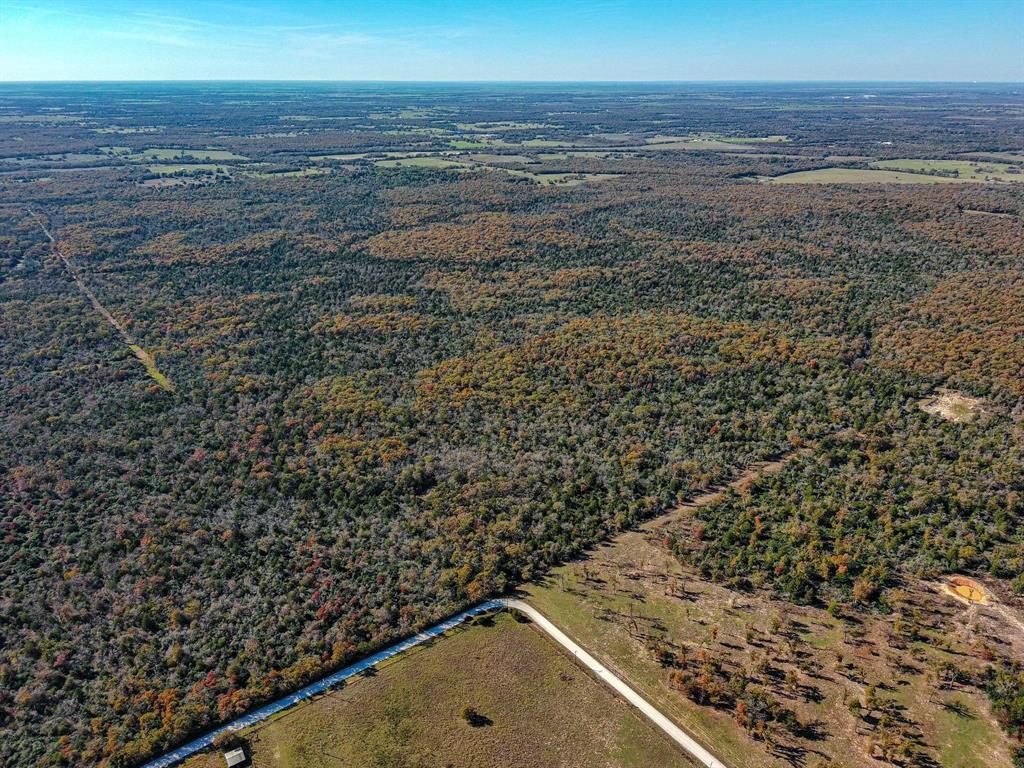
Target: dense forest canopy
(421, 343)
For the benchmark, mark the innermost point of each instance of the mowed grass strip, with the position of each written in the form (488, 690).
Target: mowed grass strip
(147, 360)
(536, 708)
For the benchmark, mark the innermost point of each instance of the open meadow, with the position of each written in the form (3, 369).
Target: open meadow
(492, 694)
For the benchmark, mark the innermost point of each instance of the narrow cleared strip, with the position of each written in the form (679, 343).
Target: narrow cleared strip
(143, 356)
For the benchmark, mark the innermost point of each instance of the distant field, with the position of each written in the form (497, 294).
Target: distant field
(505, 125)
(776, 139)
(499, 159)
(176, 167)
(192, 154)
(289, 174)
(419, 162)
(547, 143)
(860, 176)
(710, 142)
(477, 144)
(574, 153)
(128, 129)
(490, 142)
(962, 169)
(538, 708)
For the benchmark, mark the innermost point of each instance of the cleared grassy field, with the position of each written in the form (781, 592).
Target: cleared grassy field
(315, 171)
(632, 595)
(128, 129)
(710, 142)
(176, 167)
(491, 142)
(420, 162)
(603, 608)
(963, 169)
(860, 176)
(486, 158)
(774, 139)
(537, 710)
(478, 144)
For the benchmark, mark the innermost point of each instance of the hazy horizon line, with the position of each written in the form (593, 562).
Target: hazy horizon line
(666, 81)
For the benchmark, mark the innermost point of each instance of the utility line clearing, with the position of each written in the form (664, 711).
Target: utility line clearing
(143, 356)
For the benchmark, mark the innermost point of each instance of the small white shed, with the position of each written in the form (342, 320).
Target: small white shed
(235, 757)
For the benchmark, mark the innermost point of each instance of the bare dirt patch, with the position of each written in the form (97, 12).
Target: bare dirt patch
(967, 590)
(953, 406)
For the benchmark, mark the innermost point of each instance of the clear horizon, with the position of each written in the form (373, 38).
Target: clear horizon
(535, 41)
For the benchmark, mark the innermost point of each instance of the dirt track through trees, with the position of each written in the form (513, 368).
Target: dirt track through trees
(143, 356)
(711, 495)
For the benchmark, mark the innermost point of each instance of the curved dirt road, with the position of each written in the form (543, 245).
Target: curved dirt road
(674, 732)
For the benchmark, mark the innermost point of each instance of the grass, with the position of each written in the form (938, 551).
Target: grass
(710, 142)
(962, 169)
(859, 176)
(147, 360)
(964, 737)
(485, 158)
(547, 143)
(600, 620)
(474, 144)
(167, 168)
(491, 142)
(128, 129)
(420, 162)
(774, 139)
(316, 171)
(540, 709)
(571, 154)
(616, 600)
(190, 154)
(556, 179)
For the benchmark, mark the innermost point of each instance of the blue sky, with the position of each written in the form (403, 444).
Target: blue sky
(516, 40)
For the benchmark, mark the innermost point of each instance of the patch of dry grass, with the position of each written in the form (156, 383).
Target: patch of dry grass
(537, 709)
(632, 595)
